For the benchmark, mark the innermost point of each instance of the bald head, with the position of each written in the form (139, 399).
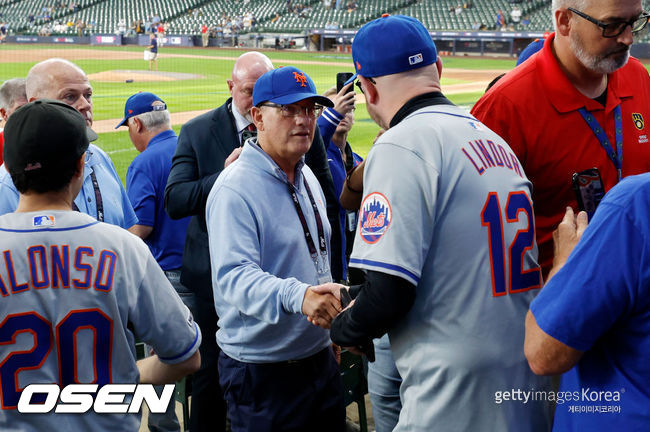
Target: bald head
(252, 64)
(42, 76)
(61, 80)
(248, 68)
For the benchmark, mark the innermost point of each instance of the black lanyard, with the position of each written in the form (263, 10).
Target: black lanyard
(322, 242)
(98, 198)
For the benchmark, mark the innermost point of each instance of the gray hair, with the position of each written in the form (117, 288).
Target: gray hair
(576, 4)
(154, 120)
(10, 91)
(559, 4)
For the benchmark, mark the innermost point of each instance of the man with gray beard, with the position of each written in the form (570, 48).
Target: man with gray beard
(580, 103)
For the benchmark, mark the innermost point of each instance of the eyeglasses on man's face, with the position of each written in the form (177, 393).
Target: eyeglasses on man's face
(294, 110)
(358, 83)
(616, 28)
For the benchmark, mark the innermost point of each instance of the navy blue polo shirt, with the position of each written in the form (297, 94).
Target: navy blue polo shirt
(145, 184)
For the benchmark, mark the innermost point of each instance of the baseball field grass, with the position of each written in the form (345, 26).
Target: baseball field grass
(208, 89)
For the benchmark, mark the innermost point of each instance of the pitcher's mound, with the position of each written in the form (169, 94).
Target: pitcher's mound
(140, 76)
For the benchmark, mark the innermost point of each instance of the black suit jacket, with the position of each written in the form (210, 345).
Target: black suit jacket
(203, 146)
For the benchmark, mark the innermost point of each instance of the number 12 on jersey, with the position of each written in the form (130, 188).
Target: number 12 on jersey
(518, 279)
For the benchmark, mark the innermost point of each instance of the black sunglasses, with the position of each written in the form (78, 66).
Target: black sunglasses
(358, 83)
(614, 29)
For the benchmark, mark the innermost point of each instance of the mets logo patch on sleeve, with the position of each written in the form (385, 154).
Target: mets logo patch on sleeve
(374, 217)
(41, 221)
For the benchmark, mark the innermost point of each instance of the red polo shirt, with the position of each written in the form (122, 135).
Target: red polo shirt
(2, 142)
(535, 109)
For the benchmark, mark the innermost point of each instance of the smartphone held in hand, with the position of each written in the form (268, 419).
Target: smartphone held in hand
(341, 78)
(589, 189)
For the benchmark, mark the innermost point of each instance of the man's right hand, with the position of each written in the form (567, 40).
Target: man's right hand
(321, 304)
(232, 157)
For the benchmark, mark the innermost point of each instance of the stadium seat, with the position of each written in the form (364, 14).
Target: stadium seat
(435, 14)
(355, 385)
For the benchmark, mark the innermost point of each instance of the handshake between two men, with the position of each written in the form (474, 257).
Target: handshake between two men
(323, 303)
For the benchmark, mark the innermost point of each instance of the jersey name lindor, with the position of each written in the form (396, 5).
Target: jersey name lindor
(489, 155)
(57, 266)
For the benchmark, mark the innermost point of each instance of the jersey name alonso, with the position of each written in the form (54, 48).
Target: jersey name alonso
(75, 294)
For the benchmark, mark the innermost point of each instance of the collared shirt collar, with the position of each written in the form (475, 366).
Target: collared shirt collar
(161, 137)
(240, 121)
(91, 159)
(273, 167)
(562, 93)
(420, 101)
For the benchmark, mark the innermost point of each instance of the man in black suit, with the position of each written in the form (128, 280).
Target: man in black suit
(206, 145)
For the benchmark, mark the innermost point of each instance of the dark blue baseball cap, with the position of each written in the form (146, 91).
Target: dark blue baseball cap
(141, 103)
(286, 85)
(391, 44)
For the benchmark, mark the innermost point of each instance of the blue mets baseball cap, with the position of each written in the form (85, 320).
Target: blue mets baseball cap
(531, 49)
(286, 85)
(391, 44)
(141, 103)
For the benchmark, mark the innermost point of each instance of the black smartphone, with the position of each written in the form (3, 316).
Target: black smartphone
(589, 189)
(341, 78)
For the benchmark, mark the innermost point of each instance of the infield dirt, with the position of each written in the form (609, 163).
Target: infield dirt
(479, 79)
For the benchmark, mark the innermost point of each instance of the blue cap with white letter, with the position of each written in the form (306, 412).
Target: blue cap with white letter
(141, 103)
(390, 45)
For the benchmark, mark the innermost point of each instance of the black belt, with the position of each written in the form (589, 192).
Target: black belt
(312, 359)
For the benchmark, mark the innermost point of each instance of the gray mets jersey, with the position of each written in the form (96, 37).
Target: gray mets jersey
(75, 294)
(447, 207)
